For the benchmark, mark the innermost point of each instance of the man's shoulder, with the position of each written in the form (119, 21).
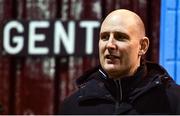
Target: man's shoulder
(72, 97)
(173, 93)
(85, 89)
(85, 83)
(174, 89)
(87, 76)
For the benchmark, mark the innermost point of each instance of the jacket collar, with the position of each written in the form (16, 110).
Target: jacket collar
(100, 86)
(96, 85)
(94, 89)
(128, 84)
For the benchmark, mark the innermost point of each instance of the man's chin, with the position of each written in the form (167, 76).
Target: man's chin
(110, 69)
(110, 66)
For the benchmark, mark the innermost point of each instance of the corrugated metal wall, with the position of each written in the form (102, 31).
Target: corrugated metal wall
(34, 85)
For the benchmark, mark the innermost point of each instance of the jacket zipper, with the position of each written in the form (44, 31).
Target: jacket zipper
(119, 93)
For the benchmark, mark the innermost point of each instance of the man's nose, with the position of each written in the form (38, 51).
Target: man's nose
(111, 43)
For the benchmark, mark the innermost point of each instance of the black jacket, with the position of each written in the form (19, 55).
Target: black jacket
(149, 91)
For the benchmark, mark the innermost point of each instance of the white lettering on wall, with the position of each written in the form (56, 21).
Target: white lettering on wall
(33, 37)
(89, 25)
(67, 38)
(18, 40)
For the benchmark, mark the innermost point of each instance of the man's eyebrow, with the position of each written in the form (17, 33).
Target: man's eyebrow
(103, 33)
(115, 32)
(121, 33)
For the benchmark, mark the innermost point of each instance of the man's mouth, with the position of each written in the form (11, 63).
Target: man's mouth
(111, 56)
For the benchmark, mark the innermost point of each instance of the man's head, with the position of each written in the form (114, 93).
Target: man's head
(122, 43)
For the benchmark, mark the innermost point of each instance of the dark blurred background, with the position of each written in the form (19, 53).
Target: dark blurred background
(38, 85)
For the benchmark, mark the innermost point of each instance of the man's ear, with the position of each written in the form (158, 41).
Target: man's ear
(144, 45)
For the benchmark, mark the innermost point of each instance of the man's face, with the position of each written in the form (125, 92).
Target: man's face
(118, 47)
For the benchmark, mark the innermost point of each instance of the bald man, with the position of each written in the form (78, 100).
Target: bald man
(124, 83)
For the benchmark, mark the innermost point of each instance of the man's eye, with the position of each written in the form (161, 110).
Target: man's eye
(120, 37)
(104, 37)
